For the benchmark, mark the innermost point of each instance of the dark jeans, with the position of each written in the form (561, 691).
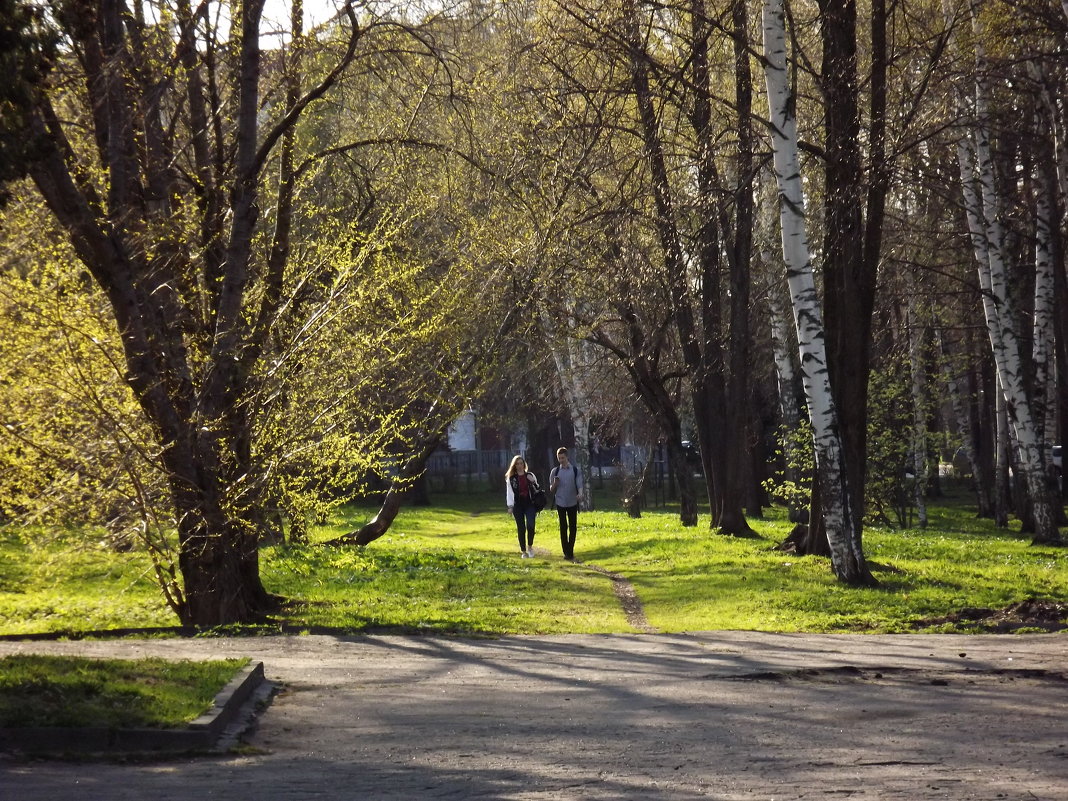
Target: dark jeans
(568, 522)
(525, 515)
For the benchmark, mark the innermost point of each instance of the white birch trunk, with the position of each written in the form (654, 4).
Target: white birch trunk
(572, 366)
(782, 340)
(1002, 460)
(1023, 423)
(786, 376)
(843, 533)
(1044, 355)
(987, 242)
(982, 207)
(1042, 349)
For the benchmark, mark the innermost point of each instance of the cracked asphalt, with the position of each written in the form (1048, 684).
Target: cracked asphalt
(720, 715)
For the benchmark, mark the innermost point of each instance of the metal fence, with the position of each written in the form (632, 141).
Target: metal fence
(467, 470)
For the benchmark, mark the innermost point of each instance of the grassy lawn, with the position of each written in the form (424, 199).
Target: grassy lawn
(112, 693)
(455, 568)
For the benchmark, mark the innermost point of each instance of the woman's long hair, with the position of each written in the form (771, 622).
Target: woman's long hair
(512, 467)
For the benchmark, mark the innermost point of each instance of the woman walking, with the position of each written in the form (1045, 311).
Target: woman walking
(520, 485)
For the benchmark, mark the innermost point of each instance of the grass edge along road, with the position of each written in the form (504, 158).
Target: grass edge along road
(69, 691)
(455, 568)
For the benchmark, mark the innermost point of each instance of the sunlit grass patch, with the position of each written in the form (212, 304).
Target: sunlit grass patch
(53, 691)
(443, 570)
(74, 583)
(455, 568)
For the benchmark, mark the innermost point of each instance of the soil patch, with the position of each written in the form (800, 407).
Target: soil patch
(1032, 614)
(628, 599)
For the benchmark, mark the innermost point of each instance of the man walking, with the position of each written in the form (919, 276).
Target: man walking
(565, 482)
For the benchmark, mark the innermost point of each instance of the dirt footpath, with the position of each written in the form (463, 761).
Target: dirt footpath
(720, 715)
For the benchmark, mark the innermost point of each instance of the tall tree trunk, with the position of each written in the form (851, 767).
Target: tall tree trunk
(1052, 185)
(571, 370)
(983, 210)
(919, 407)
(843, 530)
(739, 455)
(668, 234)
(851, 244)
(720, 379)
(988, 243)
(706, 360)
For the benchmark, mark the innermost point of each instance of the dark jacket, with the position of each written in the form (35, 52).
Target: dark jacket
(512, 488)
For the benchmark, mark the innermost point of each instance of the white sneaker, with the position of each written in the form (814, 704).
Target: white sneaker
(530, 553)
(523, 555)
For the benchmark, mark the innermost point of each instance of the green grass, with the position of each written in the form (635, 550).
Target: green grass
(71, 581)
(455, 568)
(54, 691)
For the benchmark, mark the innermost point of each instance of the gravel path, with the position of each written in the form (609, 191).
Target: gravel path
(721, 715)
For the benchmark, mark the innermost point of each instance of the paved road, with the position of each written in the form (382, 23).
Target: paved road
(720, 715)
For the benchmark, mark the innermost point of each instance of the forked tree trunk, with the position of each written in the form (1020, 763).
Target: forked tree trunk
(393, 501)
(843, 531)
(218, 551)
(193, 317)
(642, 358)
(706, 384)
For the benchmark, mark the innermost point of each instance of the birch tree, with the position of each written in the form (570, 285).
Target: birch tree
(843, 530)
(983, 209)
(784, 350)
(574, 366)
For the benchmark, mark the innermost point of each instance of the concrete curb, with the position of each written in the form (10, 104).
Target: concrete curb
(201, 735)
